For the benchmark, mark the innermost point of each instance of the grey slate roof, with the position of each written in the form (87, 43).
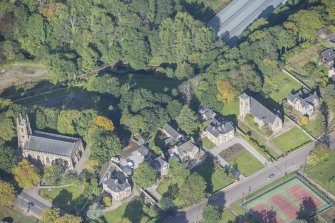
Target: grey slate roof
(143, 150)
(205, 112)
(186, 147)
(51, 143)
(326, 54)
(232, 20)
(260, 111)
(158, 163)
(117, 182)
(171, 132)
(305, 97)
(217, 128)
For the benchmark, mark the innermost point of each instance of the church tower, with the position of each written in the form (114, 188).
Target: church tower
(23, 130)
(244, 105)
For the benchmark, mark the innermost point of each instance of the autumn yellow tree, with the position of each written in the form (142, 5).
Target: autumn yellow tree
(104, 123)
(304, 121)
(69, 219)
(318, 154)
(26, 174)
(50, 215)
(90, 165)
(226, 92)
(7, 193)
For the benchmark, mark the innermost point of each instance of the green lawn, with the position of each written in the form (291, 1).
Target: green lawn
(291, 140)
(68, 198)
(231, 109)
(15, 216)
(208, 144)
(245, 163)
(323, 172)
(116, 215)
(227, 216)
(279, 86)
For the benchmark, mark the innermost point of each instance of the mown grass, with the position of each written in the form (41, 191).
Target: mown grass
(279, 86)
(245, 163)
(115, 215)
(324, 173)
(15, 216)
(291, 140)
(208, 144)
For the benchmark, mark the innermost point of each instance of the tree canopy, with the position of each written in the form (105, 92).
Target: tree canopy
(7, 193)
(144, 176)
(26, 174)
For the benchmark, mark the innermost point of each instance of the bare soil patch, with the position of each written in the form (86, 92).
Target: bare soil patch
(232, 152)
(19, 74)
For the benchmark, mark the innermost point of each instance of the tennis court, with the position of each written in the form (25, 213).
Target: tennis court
(290, 200)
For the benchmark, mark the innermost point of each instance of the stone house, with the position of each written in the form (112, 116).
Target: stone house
(327, 57)
(171, 133)
(304, 102)
(205, 113)
(219, 131)
(46, 148)
(145, 154)
(116, 184)
(261, 114)
(185, 151)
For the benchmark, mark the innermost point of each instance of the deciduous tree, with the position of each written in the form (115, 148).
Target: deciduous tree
(26, 174)
(7, 193)
(50, 215)
(318, 154)
(187, 120)
(7, 159)
(53, 174)
(144, 176)
(212, 214)
(226, 92)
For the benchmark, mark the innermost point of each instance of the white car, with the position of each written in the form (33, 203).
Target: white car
(115, 159)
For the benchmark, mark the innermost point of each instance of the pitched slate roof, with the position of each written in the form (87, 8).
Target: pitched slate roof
(328, 54)
(117, 182)
(158, 163)
(51, 143)
(305, 97)
(206, 112)
(260, 111)
(187, 147)
(171, 132)
(217, 128)
(143, 150)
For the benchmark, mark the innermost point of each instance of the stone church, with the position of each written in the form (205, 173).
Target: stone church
(46, 148)
(261, 114)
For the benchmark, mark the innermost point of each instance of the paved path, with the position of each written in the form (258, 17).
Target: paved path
(238, 140)
(234, 192)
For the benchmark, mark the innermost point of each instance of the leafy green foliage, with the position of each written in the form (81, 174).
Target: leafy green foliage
(318, 154)
(26, 174)
(211, 214)
(187, 120)
(7, 159)
(53, 174)
(144, 176)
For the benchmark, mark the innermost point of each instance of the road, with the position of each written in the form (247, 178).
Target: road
(31, 203)
(234, 192)
(232, 20)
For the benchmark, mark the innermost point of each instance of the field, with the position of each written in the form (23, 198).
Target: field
(231, 109)
(243, 161)
(291, 140)
(288, 201)
(68, 198)
(19, 74)
(9, 215)
(279, 86)
(324, 173)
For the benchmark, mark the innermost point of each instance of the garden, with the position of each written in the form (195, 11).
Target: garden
(243, 161)
(291, 140)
